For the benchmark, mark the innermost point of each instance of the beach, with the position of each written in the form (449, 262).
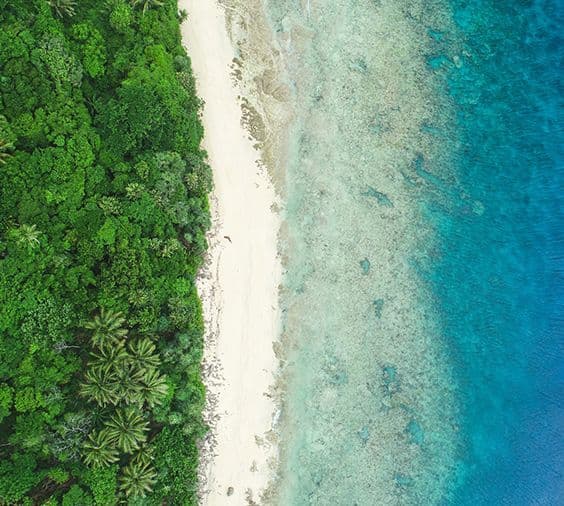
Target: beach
(239, 281)
(409, 284)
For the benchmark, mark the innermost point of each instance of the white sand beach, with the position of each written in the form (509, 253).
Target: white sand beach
(239, 283)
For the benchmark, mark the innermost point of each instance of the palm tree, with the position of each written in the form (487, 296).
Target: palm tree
(154, 388)
(144, 455)
(5, 148)
(63, 8)
(138, 479)
(107, 327)
(126, 428)
(147, 4)
(99, 450)
(142, 353)
(129, 383)
(100, 386)
(27, 235)
(109, 358)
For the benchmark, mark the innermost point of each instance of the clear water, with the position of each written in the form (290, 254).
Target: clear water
(422, 302)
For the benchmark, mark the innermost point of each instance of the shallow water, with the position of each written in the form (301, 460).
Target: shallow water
(424, 245)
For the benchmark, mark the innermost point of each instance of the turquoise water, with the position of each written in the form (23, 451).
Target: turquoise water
(423, 287)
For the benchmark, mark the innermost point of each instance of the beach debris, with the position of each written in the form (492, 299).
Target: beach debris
(365, 266)
(228, 238)
(378, 305)
(380, 197)
(249, 498)
(230, 491)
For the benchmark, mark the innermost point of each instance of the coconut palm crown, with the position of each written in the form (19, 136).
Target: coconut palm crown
(154, 388)
(109, 358)
(99, 450)
(27, 235)
(108, 328)
(143, 353)
(100, 386)
(127, 429)
(147, 4)
(138, 479)
(63, 8)
(5, 151)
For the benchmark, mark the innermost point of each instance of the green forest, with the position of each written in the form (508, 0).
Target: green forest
(103, 214)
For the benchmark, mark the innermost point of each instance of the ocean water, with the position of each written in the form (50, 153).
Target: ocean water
(422, 302)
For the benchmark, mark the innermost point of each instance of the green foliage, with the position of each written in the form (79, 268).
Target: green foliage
(176, 456)
(17, 476)
(91, 47)
(102, 482)
(6, 399)
(60, 64)
(103, 214)
(120, 16)
(27, 399)
(76, 496)
(59, 476)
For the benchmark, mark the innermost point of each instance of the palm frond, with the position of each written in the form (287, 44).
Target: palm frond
(127, 429)
(99, 451)
(138, 479)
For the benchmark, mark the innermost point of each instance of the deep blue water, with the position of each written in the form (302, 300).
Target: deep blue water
(498, 274)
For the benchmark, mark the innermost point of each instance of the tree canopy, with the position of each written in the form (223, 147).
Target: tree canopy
(103, 214)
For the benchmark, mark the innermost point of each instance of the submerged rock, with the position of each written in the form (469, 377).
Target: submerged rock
(390, 380)
(365, 266)
(403, 480)
(364, 434)
(436, 62)
(378, 305)
(430, 129)
(339, 378)
(415, 432)
(359, 65)
(435, 34)
(382, 198)
(335, 372)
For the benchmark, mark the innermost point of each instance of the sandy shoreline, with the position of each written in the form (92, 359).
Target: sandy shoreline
(239, 283)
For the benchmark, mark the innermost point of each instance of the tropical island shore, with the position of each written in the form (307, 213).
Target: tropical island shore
(239, 284)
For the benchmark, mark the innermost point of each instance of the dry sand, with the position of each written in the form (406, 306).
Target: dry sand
(239, 283)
